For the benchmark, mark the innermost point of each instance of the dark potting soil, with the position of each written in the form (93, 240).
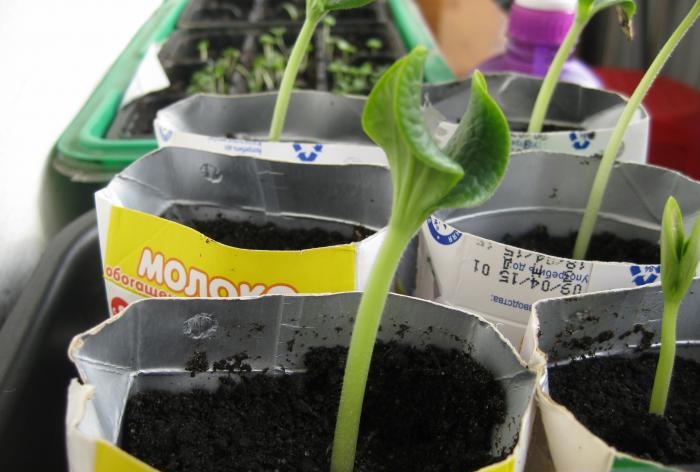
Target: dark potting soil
(271, 237)
(520, 127)
(135, 120)
(610, 396)
(603, 247)
(425, 410)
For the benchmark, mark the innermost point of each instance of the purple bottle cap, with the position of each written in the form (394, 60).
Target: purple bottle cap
(544, 22)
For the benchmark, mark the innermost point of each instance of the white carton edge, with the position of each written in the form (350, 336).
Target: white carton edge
(167, 135)
(81, 448)
(446, 272)
(149, 77)
(590, 141)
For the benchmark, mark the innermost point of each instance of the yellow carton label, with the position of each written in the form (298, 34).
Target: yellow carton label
(109, 458)
(507, 465)
(150, 256)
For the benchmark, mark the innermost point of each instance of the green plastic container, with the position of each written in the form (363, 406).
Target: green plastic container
(415, 31)
(84, 154)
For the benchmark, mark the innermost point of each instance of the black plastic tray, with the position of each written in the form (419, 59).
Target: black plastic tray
(271, 11)
(237, 14)
(180, 59)
(135, 120)
(64, 297)
(219, 13)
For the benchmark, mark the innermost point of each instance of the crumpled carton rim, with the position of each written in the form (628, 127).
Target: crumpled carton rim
(77, 409)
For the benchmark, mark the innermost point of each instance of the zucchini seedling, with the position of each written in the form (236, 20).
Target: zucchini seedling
(316, 10)
(679, 261)
(600, 182)
(585, 11)
(425, 178)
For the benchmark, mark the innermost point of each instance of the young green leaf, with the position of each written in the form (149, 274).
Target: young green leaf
(424, 178)
(291, 10)
(472, 146)
(602, 176)
(585, 11)
(679, 262)
(679, 256)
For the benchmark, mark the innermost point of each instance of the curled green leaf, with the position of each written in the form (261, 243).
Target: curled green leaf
(481, 146)
(392, 118)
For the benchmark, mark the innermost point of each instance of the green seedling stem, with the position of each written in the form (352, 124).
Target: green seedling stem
(425, 178)
(585, 11)
(315, 12)
(203, 48)
(679, 261)
(602, 176)
(290, 75)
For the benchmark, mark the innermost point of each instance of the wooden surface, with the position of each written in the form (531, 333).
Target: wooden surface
(468, 31)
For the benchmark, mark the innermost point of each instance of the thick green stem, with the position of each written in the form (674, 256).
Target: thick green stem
(364, 334)
(601, 179)
(290, 76)
(549, 83)
(667, 356)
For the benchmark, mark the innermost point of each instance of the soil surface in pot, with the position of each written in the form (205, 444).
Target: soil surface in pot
(143, 111)
(520, 127)
(425, 410)
(610, 396)
(604, 246)
(269, 236)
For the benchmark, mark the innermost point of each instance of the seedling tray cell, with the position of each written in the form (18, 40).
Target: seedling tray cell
(218, 14)
(274, 11)
(180, 54)
(180, 57)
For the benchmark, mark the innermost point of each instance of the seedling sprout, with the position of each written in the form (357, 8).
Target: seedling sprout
(425, 178)
(215, 77)
(679, 261)
(316, 10)
(603, 174)
(586, 10)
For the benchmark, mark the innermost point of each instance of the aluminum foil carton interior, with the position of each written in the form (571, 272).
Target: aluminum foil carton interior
(147, 346)
(462, 262)
(145, 255)
(587, 116)
(573, 447)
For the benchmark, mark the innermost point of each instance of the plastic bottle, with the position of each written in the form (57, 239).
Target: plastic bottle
(536, 28)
